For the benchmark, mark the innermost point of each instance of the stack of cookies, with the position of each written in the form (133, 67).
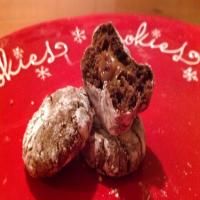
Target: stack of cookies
(100, 120)
(119, 89)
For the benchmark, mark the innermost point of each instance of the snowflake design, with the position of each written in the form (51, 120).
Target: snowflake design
(156, 33)
(79, 35)
(18, 53)
(43, 73)
(190, 75)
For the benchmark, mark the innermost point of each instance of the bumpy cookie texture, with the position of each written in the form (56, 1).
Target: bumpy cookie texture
(57, 131)
(115, 156)
(118, 87)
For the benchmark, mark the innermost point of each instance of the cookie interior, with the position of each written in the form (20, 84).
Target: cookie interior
(129, 84)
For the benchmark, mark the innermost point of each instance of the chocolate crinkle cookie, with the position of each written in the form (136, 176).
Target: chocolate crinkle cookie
(57, 131)
(115, 156)
(118, 87)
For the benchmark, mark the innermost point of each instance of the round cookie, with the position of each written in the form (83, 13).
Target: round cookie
(118, 87)
(115, 156)
(57, 131)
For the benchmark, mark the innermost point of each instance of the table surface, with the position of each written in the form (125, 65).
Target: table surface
(17, 14)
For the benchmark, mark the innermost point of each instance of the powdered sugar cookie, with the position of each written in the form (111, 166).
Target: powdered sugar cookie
(57, 131)
(118, 87)
(115, 156)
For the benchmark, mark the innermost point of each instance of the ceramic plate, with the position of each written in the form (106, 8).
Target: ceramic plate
(40, 59)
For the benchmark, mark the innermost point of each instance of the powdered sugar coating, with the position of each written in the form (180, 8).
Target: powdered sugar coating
(118, 87)
(114, 121)
(115, 155)
(57, 131)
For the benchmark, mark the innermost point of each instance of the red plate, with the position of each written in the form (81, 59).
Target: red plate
(37, 60)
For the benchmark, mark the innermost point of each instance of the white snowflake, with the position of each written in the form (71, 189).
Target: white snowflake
(43, 73)
(190, 75)
(18, 53)
(79, 35)
(156, 33)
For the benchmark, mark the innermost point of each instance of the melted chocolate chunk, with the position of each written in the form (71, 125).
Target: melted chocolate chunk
(129, 84)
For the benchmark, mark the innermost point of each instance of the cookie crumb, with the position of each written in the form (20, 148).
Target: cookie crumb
(163, 193)
(189, 165)
(100, 179)
(185, 173)
(140, 183)
(117, 195)
(4, 181)
(114, 192)
(6, 139)
(166, 184)
(189, 123)
(175, 189)
(11, 102)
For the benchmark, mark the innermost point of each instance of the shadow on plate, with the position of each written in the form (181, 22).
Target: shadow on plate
(77, 181)
(138, 185)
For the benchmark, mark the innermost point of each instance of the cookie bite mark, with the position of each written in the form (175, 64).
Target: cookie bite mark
(108, 68)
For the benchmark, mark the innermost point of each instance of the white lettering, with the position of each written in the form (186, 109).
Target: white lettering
(49, 56)
(143, 39)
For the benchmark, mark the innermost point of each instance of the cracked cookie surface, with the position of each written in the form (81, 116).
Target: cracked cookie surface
(57, 131)
(118, 87)
(115, 156)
